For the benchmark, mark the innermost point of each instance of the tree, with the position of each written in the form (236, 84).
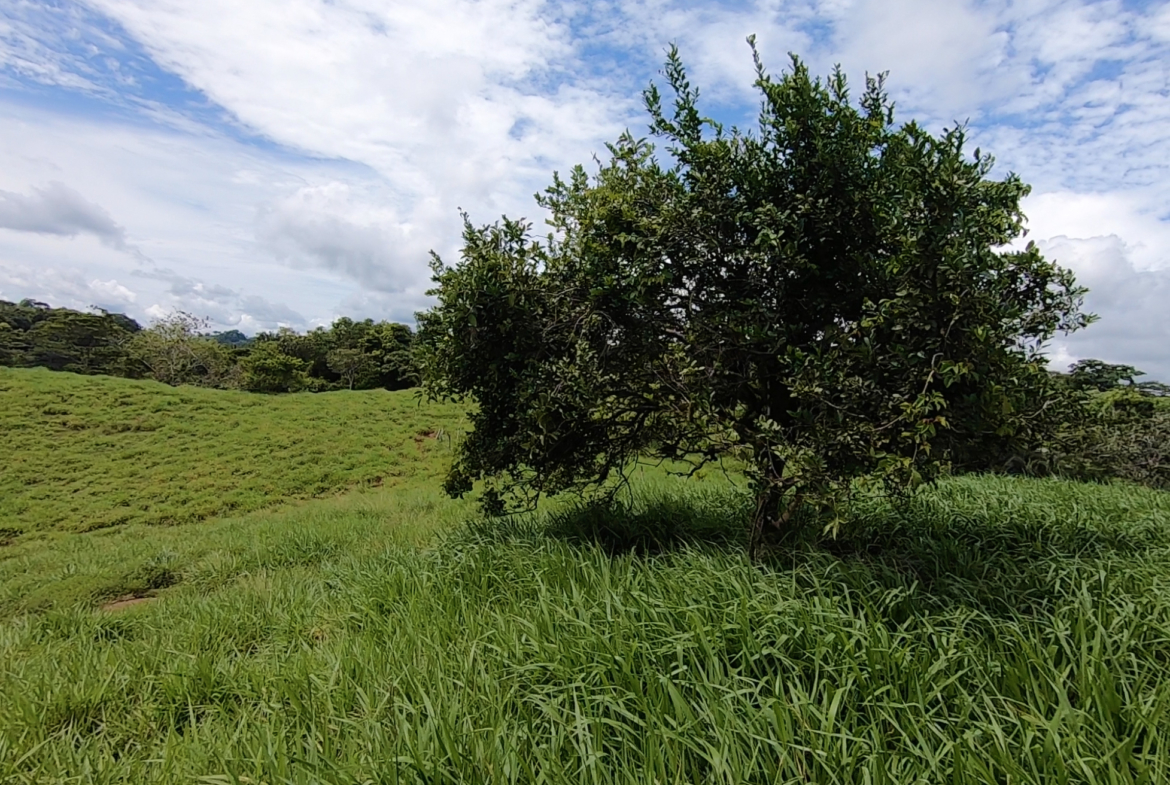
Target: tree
(63, 339)
(824, 299)
(173, 351)
(269, 370)
(1101, 376)
(388, 345)
(233, 338)
(348, 364)
(11, 349)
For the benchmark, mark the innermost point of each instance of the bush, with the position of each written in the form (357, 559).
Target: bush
(267, 369)
(1122, 433)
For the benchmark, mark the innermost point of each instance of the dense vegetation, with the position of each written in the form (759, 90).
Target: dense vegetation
(178, 349)
(825, 300)
(990, 629)
(1107, 426)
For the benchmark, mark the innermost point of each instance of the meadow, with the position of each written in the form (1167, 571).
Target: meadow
(89, 452)
(295, 621)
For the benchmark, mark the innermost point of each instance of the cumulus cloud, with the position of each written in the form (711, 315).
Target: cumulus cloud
(68, 287)
(258, 311)
(113, 292)
(222, 306)
(1125, 215)
(1130, 302)
(184, 288)
(323, 226)
(427, 92)
(59, 210)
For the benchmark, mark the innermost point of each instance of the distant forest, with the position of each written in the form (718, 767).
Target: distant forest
(179, 349)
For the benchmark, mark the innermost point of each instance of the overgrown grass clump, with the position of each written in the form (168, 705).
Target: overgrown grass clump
(987, 630)
(84, 453)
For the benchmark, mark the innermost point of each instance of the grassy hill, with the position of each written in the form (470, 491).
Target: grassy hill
(86, 452)
(991, 630)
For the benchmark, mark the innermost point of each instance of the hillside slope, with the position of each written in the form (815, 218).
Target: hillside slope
(89, 452)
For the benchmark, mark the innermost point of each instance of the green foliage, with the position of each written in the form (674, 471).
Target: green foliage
(11, 351)
(84, 453)
(33, 334)
(267, 369)
(1100, 376)
(353, 355)
(174, 351)
(233, 338)
(177, 349)
(822, 300)
(1110, 428)
(349, 364)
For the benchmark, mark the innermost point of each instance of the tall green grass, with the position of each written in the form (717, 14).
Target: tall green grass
(988, 631)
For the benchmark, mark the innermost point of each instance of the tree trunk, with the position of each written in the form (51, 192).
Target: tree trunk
(773, 511)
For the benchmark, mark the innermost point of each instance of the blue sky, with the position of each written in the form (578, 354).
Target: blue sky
(289, 161)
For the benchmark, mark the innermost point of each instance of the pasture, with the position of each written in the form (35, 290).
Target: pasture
(299, 603)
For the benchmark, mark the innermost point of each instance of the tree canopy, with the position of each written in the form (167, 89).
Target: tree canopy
(826, 298)
(33, 333)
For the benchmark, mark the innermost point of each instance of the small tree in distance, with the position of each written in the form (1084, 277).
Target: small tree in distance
(349, 364)
(825, 299)
(267, 369)
(173, 350)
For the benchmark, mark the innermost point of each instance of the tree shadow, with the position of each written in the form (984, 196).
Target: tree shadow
(657, 524)
(1002, 559)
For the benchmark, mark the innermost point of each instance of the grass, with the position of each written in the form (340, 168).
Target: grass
(990, 630)
(86, 453)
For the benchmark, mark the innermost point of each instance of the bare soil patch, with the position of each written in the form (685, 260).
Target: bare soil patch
(128, 601)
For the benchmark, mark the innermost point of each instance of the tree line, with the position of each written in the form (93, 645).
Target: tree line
(180, 349)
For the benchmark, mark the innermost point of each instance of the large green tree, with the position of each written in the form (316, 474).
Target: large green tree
(824, 299)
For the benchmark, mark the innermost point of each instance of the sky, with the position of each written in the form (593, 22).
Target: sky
(285, 162)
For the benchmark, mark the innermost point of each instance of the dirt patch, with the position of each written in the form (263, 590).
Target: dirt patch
(128, 601)
(421, 437)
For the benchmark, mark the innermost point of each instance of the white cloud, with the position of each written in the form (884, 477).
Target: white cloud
(113, 292)
(189, 201)
(940, 53)
(1131, 303)
(1124, 215)
(379, 120)
(325, 226)
(70, 287)
(427, 92)
(58, 210)
(439, 105)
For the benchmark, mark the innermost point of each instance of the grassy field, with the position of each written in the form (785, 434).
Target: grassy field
(991, 630)
(85, 453)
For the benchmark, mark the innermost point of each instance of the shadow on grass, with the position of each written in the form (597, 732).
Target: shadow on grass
(1006, 552)
(655, 525)
(1005, 565)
